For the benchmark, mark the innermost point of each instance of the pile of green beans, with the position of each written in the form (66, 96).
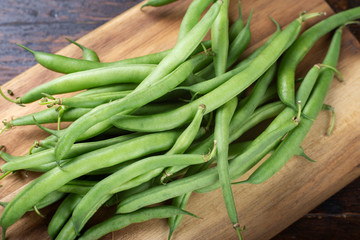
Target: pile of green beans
(158, 127)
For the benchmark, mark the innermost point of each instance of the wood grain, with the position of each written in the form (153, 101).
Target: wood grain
(159, 26)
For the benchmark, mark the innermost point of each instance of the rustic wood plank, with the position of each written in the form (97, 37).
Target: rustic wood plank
(106, 51)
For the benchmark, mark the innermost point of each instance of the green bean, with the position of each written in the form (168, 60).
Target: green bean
(88, 54)
(157, 3)
(47, 156)
(67, 232)
(47, 116)
(189, 134)
(185, 139)
(64, 64)
(216, 97)
(303, 93)
(237, 26)
(300, 48)
(132, 101)
(88, 101)
(332, 122)
(108, 88)
(239, 44)
(153, 108)
(49, 199)
(292, 142)
(220, 39)
(76, 188)
(62, 214)
(120, 221)
(174, 221)
(117, 197)
(52, 180)
(192, 16)
(68, 65)
(88, 79)
(221, 135)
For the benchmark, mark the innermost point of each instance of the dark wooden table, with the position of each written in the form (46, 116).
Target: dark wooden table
(44, 24)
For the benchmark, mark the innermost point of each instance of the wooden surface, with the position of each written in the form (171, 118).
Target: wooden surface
(118, 45)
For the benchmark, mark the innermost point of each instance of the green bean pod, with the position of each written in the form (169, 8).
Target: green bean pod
(157, 3)
(286, 75)
(174, 221)
(192, 16)
(216, 98)
(221, 135)
(220, 39)
(47, 116)
(237, 26)
(88, 54)
(62, 214)
(239, 44)
(303, 93)
(88, 79)
(120, 221)
(55, 178)
(88, 101)
(64, 64)
(47, 156)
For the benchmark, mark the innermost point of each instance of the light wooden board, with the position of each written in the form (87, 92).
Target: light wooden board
(265, 209)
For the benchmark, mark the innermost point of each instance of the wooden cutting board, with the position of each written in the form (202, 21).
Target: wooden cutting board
(265, 209)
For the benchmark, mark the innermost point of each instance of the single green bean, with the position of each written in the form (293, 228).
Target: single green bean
(192, 16)
(237, 26)
(120, 221)
(88, 54)
(239, 44)
(220, 39)
(47, 156)
(88, 101)
(157, 3)
(221, 136)
(64, 64)
(88, 79)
